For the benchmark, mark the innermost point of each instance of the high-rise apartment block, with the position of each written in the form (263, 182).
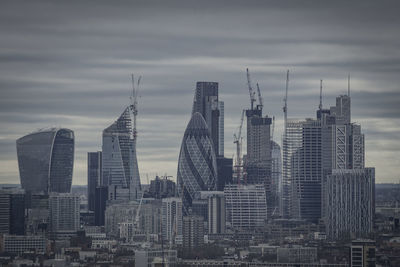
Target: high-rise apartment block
(46, 159)
(94, 168)
(193, 231)
(172, 219)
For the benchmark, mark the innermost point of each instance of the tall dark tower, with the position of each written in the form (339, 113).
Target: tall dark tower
(94, 169)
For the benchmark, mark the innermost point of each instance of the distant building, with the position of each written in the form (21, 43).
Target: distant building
(197, 166)
(297, 255)
(221, 130)
(246, 206)
(206, 103)
(216, 213)
(19, 244)
(46, 159)
(146, 258)
(12, 212)
(120, 167)
(350, 203)
(224, 172)
(64, 214)
(193, 231)
(171, 219)
(118, 213)
(94, 169)
(100, 203)
(161, 188)
(276, 174)
(363, 253)
(38, 213)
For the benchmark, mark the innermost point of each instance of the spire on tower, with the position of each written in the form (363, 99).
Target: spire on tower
(320, 95)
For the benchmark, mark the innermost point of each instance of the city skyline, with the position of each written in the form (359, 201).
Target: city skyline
(72, 88)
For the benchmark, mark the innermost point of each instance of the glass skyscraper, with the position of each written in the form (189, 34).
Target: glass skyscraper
(120, 167)
(46, 159)
(197, 167)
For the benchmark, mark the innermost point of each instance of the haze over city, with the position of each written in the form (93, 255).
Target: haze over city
(69, 64)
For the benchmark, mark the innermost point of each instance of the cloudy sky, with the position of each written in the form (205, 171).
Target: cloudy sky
(69, 63)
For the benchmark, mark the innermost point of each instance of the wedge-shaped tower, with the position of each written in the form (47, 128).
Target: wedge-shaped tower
(120, 167)
(46, 160)
(197, 167)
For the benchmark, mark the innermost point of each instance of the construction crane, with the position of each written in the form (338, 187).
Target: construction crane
(251, 92)
(260, 100)
(134, 104)
(285, 102)
(136, 223)
(273, 128)
(237, 140)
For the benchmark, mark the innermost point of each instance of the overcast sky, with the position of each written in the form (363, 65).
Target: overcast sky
(68, 63)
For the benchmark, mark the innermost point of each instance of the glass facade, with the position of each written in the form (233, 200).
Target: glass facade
(45, 160)
(120, 167)
(197, 167)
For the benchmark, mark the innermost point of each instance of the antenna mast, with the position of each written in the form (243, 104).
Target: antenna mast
(320, 95)
(251, 92)
(348, 85)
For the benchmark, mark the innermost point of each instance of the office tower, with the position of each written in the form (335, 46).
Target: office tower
(193, 231)
(12, 212)
(21, 244)
(350, 203)
(291, 142)
(276, 171)
(100, 203)
(206, 103)
(120, 167)
(150, 219)
(94, 168)
(171, 219)
(46, 159)
(306, 174)
(64, 214)
(362, 253)
(197, 170)
(162, 188)
(216, 213)
(224, 172)
(246, 206)
(221, 130)
(200, 207)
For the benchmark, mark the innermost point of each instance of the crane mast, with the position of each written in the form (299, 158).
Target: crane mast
(134, 105)
(260, 100)
(285, 101)
(320, 95)
(251, 92)
(238, 142)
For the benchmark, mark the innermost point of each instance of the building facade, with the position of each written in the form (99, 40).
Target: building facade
(46, 159)
(64, 214)
(193, 231)
(172, 219)
(246, 206)
(197, 167)
(216, 213)
(94, 168)
(119, 161)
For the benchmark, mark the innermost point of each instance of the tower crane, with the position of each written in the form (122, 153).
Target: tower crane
(134, 104)
(251, 92)
(320, 96)
(260, 100)
(285, 101)
(273, 128)
(238, 142)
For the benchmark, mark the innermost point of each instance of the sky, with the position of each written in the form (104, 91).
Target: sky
(68, 64)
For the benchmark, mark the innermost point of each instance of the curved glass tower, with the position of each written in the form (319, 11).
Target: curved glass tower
(197, 167)
(46, 159)
(120, 166)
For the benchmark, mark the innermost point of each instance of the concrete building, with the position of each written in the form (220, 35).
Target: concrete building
(46, 159)
(118, 213)
(216, 213)
(363, 253)
(64, 214)
(18, 244)
(297, 255)
(193, 231)
(94, 168)
(350, 203)
(12, 212)
(37, 213)
(161, 187)
(120, 168)
(150, 258)
(246, 206)
(172, 219)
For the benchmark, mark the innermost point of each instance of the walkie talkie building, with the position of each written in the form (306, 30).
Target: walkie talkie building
(46, 160)
(197, 167)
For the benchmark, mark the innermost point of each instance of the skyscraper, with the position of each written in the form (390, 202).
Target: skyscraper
(120, 167)
(206, 103)
(12, 212)
(64, 214)
(350, 203)
(221, 129)
(193, 231)
(171, 210)
(197, 170)
(276, 172)
(216, 213)
(46, 159)
(94, 169)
